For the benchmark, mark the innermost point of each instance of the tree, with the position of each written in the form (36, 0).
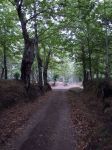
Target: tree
(55, 30)
(9, 35)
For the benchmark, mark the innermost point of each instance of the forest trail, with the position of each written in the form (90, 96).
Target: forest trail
(53, 128)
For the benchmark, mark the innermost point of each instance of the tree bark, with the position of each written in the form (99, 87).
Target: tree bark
(89, 52)
(90, 67)
(45, 76)
(46, 69)
(40, 70)
(39, 60)
(28, 58)
(83, 63)
(5, 62)
(84, 66)
(107, 68)
(97, 74)
(29, 46)
(2, 73)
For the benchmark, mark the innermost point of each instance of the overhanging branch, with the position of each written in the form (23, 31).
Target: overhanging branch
(34, 16)
(12, 2)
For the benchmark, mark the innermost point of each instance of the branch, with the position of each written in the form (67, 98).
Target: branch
(44, 31)
(18, 3)
(21, 2)
(34, 16)
(12, 2)
(22, 18)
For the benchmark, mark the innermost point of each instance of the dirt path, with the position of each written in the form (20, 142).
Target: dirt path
(51, 128)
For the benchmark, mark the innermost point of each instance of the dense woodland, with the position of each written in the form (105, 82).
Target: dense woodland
(37, 37)
(44, 41)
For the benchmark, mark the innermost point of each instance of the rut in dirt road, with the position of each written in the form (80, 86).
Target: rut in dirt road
(55, 130)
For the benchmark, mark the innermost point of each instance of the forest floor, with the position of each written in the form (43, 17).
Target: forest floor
(62, 119)
(93, 126)
(16, 107)
(49, 128)
(13, 120)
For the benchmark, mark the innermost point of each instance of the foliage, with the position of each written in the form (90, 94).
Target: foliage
(78, 30)
(17, 75)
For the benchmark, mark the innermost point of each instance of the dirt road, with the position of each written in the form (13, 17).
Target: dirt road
(51, 128)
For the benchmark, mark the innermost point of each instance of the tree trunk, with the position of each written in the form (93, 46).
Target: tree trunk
(107, 68)
(27, 61)
(5, 62)
(39, 60)
(84, 65)
(45, 76)
(97, 70)
(89, 52)
(97, 74)
(90, 67)
(40, 82)
(29, 46)
(46, 68)
(107, 72)
(2, 73)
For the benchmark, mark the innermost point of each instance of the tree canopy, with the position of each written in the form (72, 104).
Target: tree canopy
(43, 36)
